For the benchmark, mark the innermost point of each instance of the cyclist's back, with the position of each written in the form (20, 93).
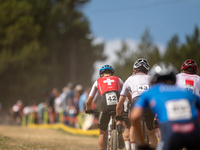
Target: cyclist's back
(139, 81)
(188, 78)
(136, 84)
(189, 81)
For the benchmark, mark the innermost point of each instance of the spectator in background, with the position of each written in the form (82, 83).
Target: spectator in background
(74, 105)
(41, 108)
(83, 99)
(64, 102)
(26, 111)
(57, 106)
(72, 111)
(35, 112)
(70, 94)
(17, 112)
(50, 103)
(75, 100)
(66, 97)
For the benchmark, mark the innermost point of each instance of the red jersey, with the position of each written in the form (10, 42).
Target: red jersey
(111, 83)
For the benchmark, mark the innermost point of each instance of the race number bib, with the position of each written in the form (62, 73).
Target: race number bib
(189, 88)
(111, 98)
(178, 110)
(142, 88)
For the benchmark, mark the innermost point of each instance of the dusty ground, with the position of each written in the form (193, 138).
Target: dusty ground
(23, 138)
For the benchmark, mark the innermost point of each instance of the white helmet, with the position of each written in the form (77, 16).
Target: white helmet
(163, 71)
(141, 62)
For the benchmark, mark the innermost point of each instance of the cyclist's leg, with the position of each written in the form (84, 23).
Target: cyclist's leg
(127, 137)
(153, 141)
(151, 131)
(132, 129)
(121, 143)
(103, 124)
(127, 124)
(119, 126)
(133, 137)
(102, 139)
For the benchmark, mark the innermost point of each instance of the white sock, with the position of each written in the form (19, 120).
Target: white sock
(127, 144)
(133, 146)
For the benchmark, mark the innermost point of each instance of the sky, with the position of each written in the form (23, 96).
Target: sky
(114, 20)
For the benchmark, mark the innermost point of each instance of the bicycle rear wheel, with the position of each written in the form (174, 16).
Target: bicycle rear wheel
(114, 140)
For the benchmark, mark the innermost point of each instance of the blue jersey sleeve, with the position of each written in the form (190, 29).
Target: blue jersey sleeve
(142, 101)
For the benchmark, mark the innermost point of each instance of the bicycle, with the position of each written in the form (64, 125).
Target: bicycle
(112, 131)
(144, 130)
(143, 126)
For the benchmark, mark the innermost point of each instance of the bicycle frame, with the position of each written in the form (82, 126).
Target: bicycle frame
(112, 134)
(144, 130)
(111, 126)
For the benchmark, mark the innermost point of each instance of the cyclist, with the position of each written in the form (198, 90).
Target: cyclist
(175, 107)
(136, 84)
(109, 87)
(188, 77)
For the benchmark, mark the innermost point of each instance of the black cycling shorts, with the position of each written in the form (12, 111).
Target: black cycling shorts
(104, 116)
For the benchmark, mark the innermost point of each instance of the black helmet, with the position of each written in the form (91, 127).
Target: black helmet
(106, 67)
(163, 71)
(141, 62)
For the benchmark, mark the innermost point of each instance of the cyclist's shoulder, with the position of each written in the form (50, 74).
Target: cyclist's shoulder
(130, 77)
(116, 78)
(182, 74)
(138, 75)
(178, 74)
(141, 74)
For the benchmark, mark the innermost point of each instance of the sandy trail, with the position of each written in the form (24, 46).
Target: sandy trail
(23, 138)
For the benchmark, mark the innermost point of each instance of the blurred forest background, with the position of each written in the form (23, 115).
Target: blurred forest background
(48, 43)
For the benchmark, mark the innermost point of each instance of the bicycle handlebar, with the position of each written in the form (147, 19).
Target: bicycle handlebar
(92, 111)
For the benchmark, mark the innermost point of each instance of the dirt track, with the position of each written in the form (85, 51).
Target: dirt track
(22, 138)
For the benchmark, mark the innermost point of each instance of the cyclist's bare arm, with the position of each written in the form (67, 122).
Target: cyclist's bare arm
(89, 103)
(120, 104)
(91, 96)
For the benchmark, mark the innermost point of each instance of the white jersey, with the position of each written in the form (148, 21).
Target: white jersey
(189, 81)
(136, 84)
